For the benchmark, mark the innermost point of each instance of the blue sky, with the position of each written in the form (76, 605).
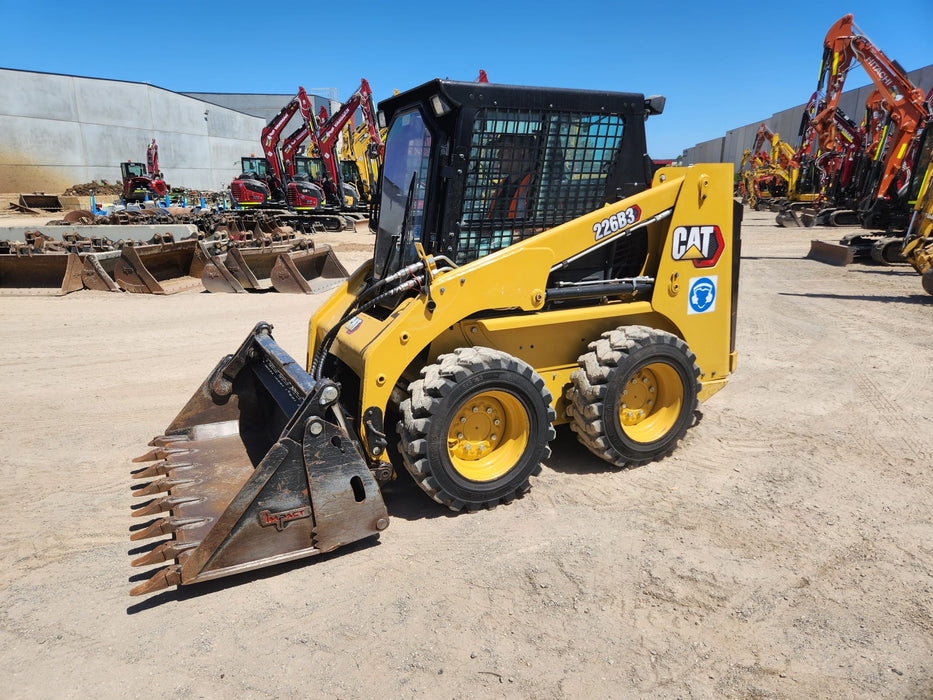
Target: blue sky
(719, 65)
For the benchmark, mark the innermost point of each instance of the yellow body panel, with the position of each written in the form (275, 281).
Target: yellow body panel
(687, 201)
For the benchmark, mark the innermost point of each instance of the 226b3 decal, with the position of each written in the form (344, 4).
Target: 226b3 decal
(701, 244)
(617, 222)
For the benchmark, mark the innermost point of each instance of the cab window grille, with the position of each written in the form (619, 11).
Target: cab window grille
(529, 171)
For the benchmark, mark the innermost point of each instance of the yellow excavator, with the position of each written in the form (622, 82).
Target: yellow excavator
(528, 271)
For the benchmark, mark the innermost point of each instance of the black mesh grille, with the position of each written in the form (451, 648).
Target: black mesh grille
(529, 171)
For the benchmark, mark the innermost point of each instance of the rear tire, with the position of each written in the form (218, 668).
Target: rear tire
(476, 428)
(635, 395)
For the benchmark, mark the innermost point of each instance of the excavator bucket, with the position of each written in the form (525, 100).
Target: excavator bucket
(302, 270)
(98, 270)
(161, 268)
(40, 200)
(257, 469)
(50, 274)
(309, 271)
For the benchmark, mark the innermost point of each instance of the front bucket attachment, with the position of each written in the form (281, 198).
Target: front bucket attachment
(308, 271)
(831, 253)
(255, 470)
(162, 268)
(50, 274)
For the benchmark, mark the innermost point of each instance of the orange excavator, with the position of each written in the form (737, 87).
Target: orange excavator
(882, 199)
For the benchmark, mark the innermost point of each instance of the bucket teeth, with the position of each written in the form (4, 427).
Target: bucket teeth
(165, 526)
(164, 552)
(163, 578)
(160, 452)
(163, 468)
(160, 505)
(161, 486)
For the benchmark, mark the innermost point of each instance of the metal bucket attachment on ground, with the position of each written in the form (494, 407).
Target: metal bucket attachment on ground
(51, 274)
(161, 268)
(831, 253)
(40, 200)
(790, 217)
(303, 269)
(255, 470)
(98, 270)
(230, 273)
(308, 271)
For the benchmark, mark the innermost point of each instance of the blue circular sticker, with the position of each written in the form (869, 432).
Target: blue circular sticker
(702, 298)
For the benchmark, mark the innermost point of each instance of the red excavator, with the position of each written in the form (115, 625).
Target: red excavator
(273, 187)
(143, 180)
(326, 139)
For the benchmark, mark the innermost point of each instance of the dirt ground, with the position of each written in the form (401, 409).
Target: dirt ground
(784, 551)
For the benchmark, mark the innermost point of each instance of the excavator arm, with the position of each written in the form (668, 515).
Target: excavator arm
(330, 129)
(844, 44)
(272, 132)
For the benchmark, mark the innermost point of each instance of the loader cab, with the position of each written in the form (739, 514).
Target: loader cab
(472, 168)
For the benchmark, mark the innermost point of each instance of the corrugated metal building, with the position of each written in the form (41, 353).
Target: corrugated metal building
(729, 148)
(60, 130)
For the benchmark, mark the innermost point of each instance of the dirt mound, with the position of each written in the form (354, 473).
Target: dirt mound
(84, 189)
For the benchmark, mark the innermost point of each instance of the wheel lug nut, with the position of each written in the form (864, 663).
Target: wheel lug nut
(493, 437)
(488, 410)
(463, 420)
(459, 436)
(496, 422)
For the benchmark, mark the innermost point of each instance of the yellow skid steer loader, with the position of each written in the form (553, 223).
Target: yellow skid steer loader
(527, 271)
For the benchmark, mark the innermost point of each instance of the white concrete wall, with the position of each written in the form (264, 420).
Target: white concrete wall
(59, 130)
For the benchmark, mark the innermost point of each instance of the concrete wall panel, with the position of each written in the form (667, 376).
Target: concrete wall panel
(57, 131)
(40, 141)
(172, 112)
(37, 95)
(112, 103)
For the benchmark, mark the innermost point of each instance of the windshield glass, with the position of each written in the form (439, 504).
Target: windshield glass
(404, 178)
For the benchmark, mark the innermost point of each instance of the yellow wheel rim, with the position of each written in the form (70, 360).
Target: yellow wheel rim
(488, 435)
(651, 402)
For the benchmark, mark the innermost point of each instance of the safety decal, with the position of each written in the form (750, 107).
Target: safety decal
(353, 324)
(617, 222)
(701, 244)
(702, 295)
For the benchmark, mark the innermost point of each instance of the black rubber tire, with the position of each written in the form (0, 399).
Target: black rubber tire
(926, 281)
(442, 393)
(665, 365)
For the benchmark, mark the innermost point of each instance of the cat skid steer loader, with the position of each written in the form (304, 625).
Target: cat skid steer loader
(527, 272)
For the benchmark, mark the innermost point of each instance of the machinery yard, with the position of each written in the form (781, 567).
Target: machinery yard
(783, 550)
(467, 395)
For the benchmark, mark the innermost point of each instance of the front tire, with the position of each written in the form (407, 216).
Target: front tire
(634, 396)
(476, 428)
